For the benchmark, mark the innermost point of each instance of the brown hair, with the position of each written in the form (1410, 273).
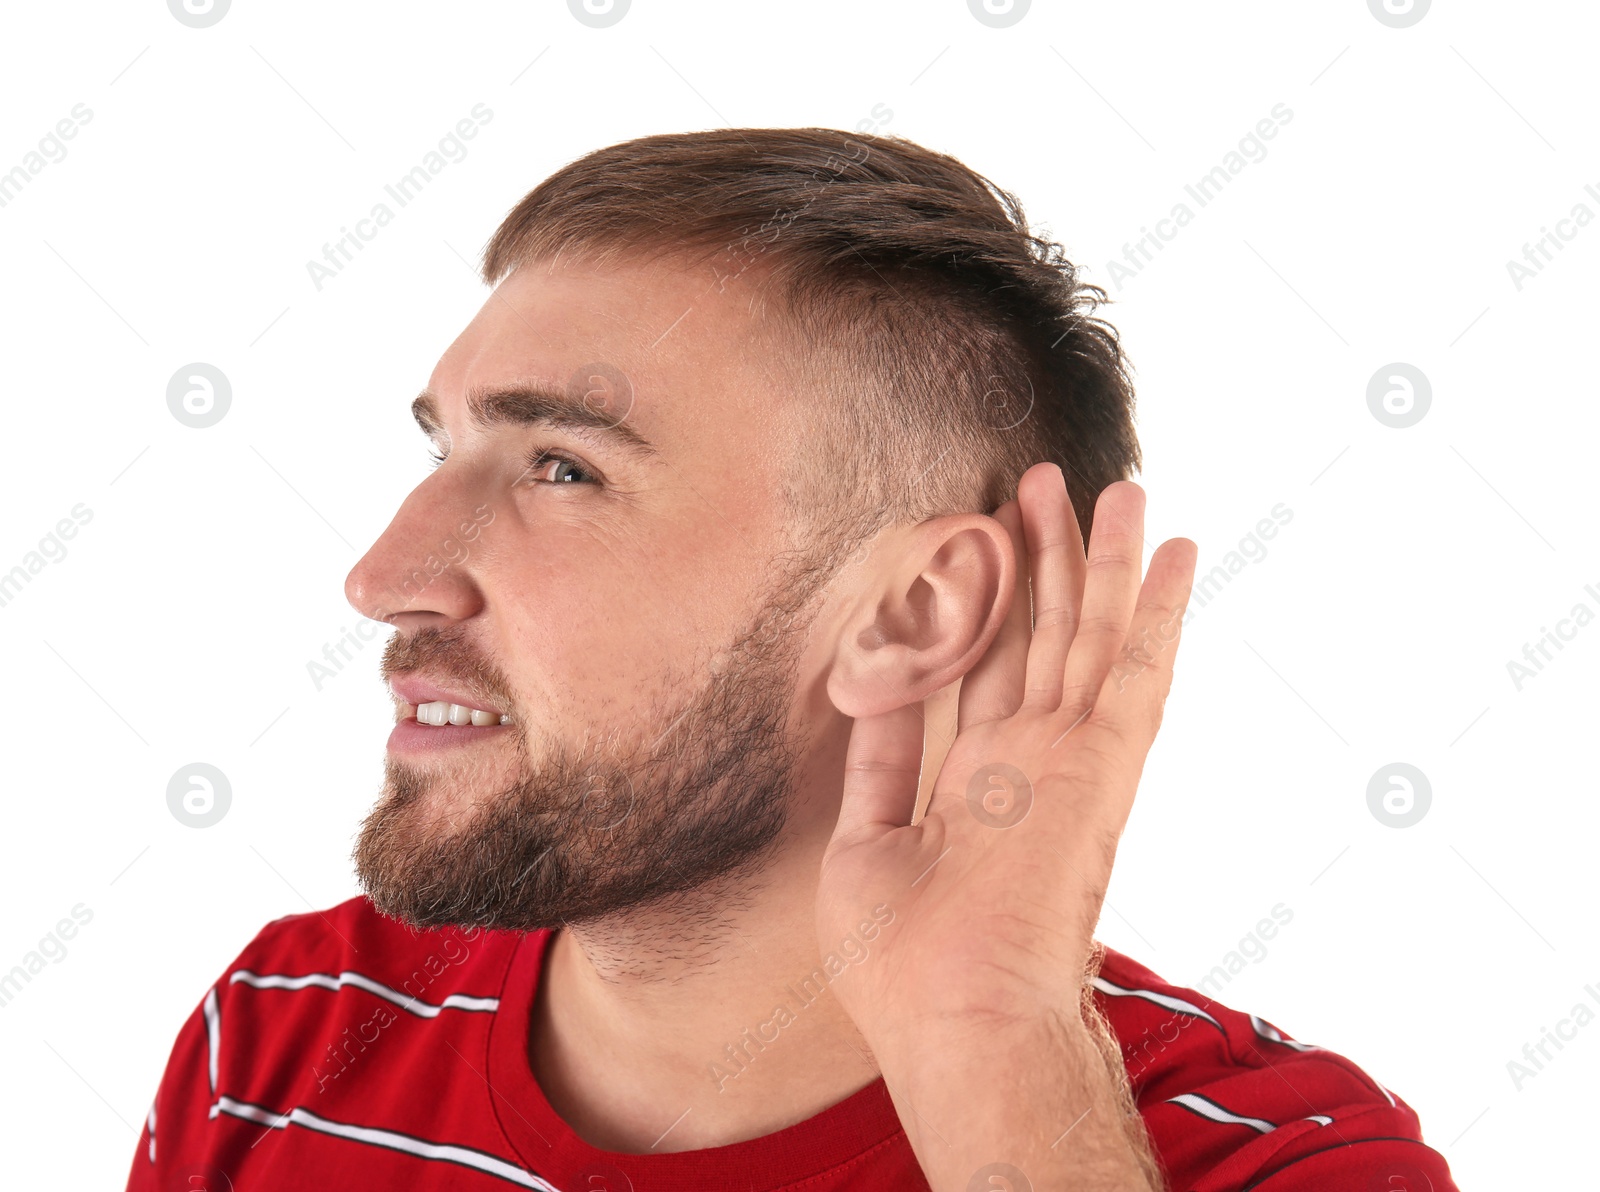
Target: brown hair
(953, 347)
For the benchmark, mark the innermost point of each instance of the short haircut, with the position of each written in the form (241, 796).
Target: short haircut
(949, 346)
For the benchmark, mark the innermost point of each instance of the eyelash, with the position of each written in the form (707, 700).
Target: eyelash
(540, 457)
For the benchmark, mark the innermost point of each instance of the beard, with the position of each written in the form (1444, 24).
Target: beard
(697, 799)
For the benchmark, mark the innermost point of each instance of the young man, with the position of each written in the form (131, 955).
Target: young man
(764, 438)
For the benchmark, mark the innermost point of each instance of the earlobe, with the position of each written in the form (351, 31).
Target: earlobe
(926, 616)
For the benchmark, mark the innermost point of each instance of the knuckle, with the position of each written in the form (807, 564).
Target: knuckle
(1102, 624)
(1051, 618)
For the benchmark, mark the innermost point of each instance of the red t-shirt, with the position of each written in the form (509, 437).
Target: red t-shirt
(344, 1050)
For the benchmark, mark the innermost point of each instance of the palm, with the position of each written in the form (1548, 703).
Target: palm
(996, 890)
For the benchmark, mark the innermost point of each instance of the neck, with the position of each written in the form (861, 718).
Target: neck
(719, 1014)
(717, 1007)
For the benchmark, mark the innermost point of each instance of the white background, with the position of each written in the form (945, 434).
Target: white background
(1378, 627)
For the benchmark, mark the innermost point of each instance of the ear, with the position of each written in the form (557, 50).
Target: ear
(926, 616)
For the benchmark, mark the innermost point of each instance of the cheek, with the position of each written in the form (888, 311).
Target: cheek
(596, 624)
(585, 639)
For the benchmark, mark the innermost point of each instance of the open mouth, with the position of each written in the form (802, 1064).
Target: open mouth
(438, 713)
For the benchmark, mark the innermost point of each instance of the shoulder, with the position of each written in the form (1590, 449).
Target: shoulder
(1232, 1101)
(1166, 1028)
(353, 929)
(296, 1020)
(353, 946)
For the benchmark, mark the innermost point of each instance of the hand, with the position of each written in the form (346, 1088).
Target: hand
(995, 892)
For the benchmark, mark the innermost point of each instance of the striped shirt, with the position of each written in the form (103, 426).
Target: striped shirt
(344, 1050)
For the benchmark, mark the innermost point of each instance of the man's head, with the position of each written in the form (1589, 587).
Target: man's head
(719, 451)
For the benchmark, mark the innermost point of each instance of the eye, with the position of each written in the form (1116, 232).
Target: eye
(552, 467)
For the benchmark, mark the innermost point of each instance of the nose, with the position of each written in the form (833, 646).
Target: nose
(421, 570)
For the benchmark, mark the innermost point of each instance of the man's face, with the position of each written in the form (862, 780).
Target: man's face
(600, 567)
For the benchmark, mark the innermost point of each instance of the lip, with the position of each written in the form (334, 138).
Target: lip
(413, 689)
(410, 737)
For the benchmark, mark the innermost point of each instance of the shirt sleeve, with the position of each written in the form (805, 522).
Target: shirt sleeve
(172, 1143)
(1304, 1122)
(1232, 1104)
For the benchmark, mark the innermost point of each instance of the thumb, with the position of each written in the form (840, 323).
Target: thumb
(882, 766)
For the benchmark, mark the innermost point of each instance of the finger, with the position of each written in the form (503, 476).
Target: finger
(1056, 564)
(1111, 587)
(881, 766)
(1135, 690)
(993, 688)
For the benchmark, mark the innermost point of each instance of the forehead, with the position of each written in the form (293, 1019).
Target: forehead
(678, 356)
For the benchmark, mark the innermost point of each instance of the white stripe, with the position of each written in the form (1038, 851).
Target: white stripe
(1273, 1034)
(1321, 1119)
(1210, 1109)
(213, 1036)
(251, 1113)
(1160, 999)
(456, 1001)
(405, 1143)
(150, 1124)
(1386, 1093)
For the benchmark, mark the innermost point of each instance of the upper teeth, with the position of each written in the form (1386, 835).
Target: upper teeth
(440, 712)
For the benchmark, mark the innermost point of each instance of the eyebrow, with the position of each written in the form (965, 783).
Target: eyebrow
(535, 405)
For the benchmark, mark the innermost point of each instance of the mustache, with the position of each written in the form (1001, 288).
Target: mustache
(445, 654)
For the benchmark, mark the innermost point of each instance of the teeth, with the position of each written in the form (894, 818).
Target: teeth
(441, 712)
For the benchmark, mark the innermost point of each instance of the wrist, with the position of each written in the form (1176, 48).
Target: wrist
(1046, 1098)
(937, 1052)
(947, 1034)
